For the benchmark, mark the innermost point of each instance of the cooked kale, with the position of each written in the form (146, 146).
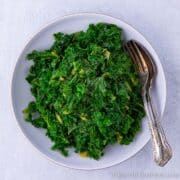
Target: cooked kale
(87, 92)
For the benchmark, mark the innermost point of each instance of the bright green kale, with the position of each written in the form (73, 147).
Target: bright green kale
(87, 92)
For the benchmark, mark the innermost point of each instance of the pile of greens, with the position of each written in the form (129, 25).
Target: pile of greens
(87, 92)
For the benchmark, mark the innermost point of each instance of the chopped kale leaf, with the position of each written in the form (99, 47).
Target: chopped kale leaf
(87, 92)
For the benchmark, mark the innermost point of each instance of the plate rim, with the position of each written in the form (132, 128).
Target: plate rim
(33, 36)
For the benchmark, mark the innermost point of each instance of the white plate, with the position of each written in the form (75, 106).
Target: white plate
(21, 93)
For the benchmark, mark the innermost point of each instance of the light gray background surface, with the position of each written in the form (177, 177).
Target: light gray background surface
(157, 20)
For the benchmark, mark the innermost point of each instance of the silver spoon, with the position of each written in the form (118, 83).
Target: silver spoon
(162, 151)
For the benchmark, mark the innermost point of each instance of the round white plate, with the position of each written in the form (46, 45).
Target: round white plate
(21, 95)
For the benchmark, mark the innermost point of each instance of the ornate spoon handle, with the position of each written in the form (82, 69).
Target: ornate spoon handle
(162, 152)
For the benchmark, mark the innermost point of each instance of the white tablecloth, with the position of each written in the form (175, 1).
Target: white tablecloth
(157, 20)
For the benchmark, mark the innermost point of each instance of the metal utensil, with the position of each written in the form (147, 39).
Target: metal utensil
(162, 151)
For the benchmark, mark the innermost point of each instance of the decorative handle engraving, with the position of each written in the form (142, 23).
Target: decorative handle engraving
(162, 151)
